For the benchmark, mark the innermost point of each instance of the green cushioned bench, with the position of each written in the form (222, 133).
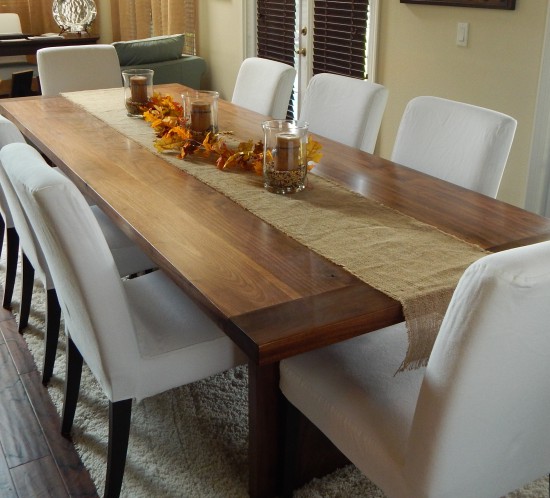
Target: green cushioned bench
(164, 55)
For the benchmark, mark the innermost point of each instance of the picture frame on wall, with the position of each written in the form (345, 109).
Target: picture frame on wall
(483, 4)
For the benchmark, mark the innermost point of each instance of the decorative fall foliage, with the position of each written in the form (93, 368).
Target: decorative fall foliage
(165, 117)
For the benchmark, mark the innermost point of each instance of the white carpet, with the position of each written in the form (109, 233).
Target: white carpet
(188, 442)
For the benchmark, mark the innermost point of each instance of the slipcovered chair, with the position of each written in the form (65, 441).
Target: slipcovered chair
(460, 143)
(129, 258)
(347, 110)
(74, 68)
(15, 67)
(264, 86)
(10, 24)
(474, 422)
(139, 337)
(8, 134)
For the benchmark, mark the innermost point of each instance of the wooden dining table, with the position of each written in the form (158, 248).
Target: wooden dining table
(272, 295)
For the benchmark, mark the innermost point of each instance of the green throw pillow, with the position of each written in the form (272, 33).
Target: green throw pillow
(148, 50)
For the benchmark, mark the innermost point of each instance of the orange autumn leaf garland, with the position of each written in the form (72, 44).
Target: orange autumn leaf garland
(165, 117)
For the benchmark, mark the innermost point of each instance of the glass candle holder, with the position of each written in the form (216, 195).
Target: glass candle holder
(138, 89)
(285, 155)
(200, 111)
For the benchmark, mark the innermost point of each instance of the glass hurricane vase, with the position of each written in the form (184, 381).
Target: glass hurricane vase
(74, 16)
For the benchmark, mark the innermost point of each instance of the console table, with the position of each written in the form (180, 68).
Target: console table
(29, 44)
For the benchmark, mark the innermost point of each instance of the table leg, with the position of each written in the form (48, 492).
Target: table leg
(316, 456)
(265, 429)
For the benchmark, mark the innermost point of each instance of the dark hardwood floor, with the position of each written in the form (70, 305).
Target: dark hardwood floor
(35, 460)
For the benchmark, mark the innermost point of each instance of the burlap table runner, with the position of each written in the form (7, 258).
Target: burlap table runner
(406, 259)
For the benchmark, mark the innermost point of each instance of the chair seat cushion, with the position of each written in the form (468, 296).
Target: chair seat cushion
(352, 393)
(171, 330)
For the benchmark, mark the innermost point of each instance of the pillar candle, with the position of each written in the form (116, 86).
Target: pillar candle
(288, 152)
(201, 117)
(138, 88)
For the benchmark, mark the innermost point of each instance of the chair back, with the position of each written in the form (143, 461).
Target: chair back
(481, 426)
(9, 133)
(10, 23)
(344, 109)
(74, 68)
(264, 86)
(27, 238)
(460, 143)
(86, 279)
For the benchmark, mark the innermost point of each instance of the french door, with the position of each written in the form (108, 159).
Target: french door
(315, 36)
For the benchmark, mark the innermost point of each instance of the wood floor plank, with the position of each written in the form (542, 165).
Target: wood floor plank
(41, 462)
(39, 478)
(9, 372)
(20, 434)
(7, 488)
(17, 345)
(22, 357)
(75, 475)
(8, 328)
(5, 314)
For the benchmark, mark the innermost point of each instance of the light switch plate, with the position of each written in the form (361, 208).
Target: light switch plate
(462, 34)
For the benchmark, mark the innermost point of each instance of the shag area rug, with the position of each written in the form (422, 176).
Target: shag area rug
(188, 442)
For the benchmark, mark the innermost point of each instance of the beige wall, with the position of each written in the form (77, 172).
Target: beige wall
(498, 69)
(221, 35)
(417, 55)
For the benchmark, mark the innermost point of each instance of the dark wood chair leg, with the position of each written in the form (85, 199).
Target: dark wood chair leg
(120, 413)
(26, 293)
(53, 319)
(12, 248)
(72, 387)
(290, 449)
(2, 229)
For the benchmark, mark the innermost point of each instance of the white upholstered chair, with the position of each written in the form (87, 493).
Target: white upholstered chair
(264, 86)
(74, 68)
(10, 23)
(474, 422)
(8, 134)
(22, 72)
(457, 142)
(128, 257)
(139, 337)
(347, 110)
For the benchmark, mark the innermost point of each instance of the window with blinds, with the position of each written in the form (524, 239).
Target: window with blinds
(340, 37)
(339, 31)
(276, 28)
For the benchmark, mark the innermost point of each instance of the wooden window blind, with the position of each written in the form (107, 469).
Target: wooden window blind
(340, 37)
(276, 27)
(135, 19)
